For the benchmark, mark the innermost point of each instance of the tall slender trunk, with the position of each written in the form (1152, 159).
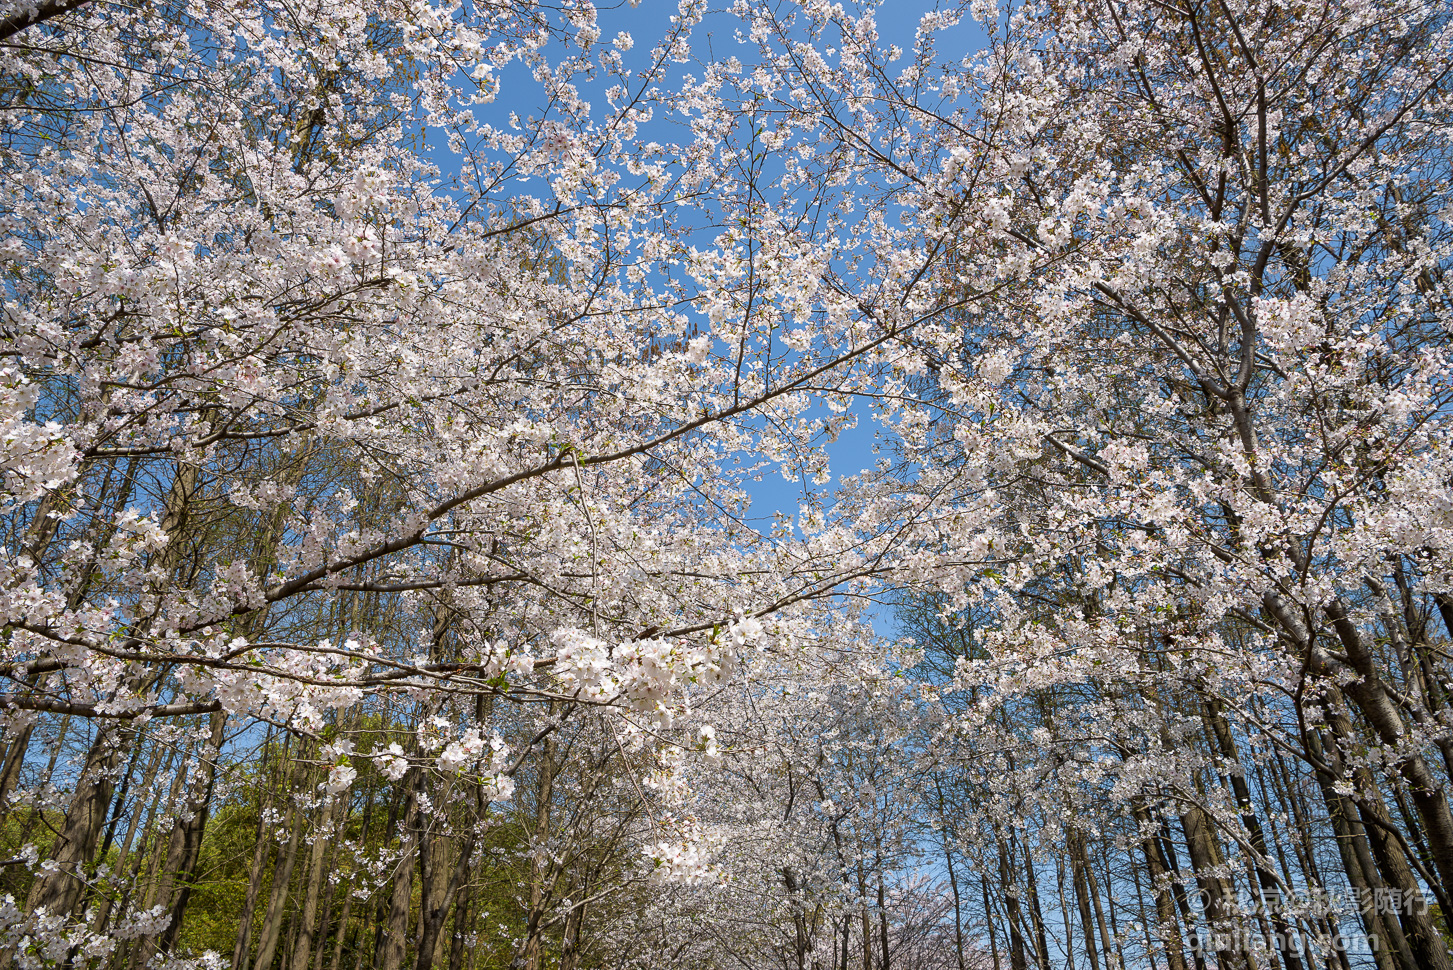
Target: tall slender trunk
(14, 761)
(337, 961)
(394, 942)
(1371, 697)
(1041, 940)
(988, 922)
(1093, 887)
(185, 844)
(1142, 916)
(865, 918)
(440, 895)
(58, 891)
(1300, 813)
(540, 865)
(1270, 888)
(303, 949)
(461, 927)
(953, 882)
(326, 916)
(1428, 947)
(103, 910)
(1168, 931)
(1219, 900)
(340, 937)
(1390, 950)
(882, 915)
(1082, 903)
(1018, 958)
(272, 920)
(1167, 850)
(242, 948)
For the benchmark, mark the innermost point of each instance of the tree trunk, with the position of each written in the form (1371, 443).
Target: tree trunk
(988, 922)
(540, 865)
(461, 926)
(272, 921)
(394, 943)
(883, 916)
(1017, 955)
(1041, 940)
(14, 760)
(1220, 902)
(303, 949)
(1393, 952)
(1082, 902)
(1093, 888)
(185, 844)
(1270, 889)
(58, 891)
(1382, 715)
(1169, 931)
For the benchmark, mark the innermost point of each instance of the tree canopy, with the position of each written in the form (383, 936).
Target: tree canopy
(391, 569)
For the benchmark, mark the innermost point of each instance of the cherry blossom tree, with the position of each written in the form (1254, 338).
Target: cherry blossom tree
(298, 422)
(1195, 449)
